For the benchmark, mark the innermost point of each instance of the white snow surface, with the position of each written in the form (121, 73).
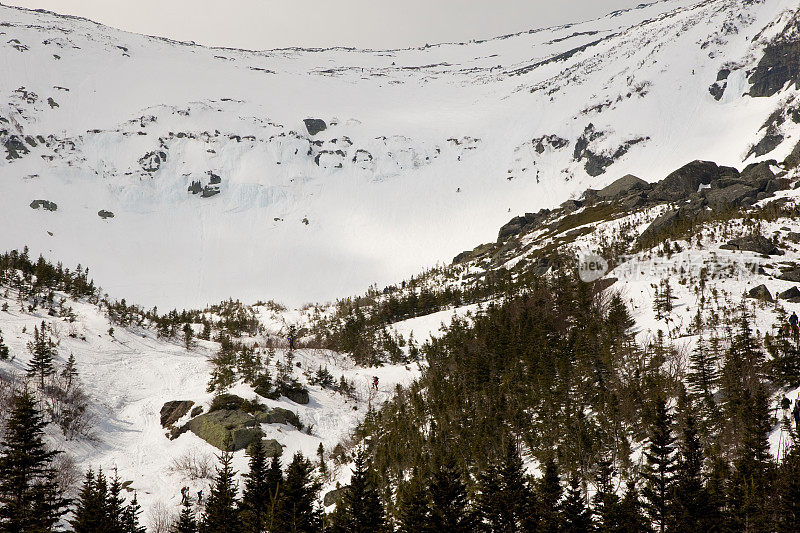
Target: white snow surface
(427, 150)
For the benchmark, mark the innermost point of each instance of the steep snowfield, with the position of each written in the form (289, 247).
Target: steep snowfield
(426, 151)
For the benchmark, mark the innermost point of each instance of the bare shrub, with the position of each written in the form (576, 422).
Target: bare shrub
(160, 518)
(67, 474)
(193, 464)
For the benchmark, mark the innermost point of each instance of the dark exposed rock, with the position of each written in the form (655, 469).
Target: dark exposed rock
(296, 395)
(151, 161)
(315, 125)
(172, 411)
(196, 187)
(732, 196)
(333, 496)
(753, 243)
(105, 214)
(272, 447)
(279, 416)
(687, 180)
(196, 411)
(754, 173)
(554, 141)
(47, 205)
(791, 275)
(761, 293)
(717, 89)
(571, 205)
(512, 227)
(663, 222)
(15, 148)
(794, 292)
(768, 143)
(780, 63)
(623, 186)
(209, 191)
(476, 252)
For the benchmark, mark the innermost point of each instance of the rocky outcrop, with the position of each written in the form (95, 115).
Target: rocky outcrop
(753, 243)
(223, 426)
(780, 64)
(105, 214)
(760, 293)
(315, 125)
(152, 161)
(15, 148)
(333, 496)
(517, 225)
(47, 205)
(172, 411)
(279, 416)
(297, 395)
(688, 179)
(734, 195)
(790, 294)
(623, 186)
(663, 222)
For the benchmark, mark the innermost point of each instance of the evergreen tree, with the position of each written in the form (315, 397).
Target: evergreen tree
(30, 498)
(575, 515)
(703, 375)
(186, 522)
(505, 498)
(188, 336)
(88, 515)
(131, 515)
(41, 348)
(660, 468)
(221, 513)
(629, 513)
(360, 509)
(254, 507)
(413, 512)
(548, 497)
(449, 509)
(788, 508)
(115, 505)
(296, 510)
(3, 348)
(691, 503)
(605, 504)
(70, 371)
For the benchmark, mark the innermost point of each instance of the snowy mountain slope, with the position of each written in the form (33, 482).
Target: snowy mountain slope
(217, 188)
(130, 375)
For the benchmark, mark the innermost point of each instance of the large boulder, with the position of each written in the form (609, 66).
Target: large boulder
(272, 447)
(333, 496)
(735, 195)
(791, 275)
(688, 179)
(172, 411)
(794, 292)
(780, 64)
(512, 227)
(760, 293)
(297, 395)
(757, 173)
(279, 416)
(218, 427)
(753, 243)
(315, 125)
(623, 186)
(663, 222)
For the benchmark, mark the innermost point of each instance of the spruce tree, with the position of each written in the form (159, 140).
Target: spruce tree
(360, 509)
(660, 468)
(505, 497)
(548, 496)
(703, 375)
(296, 509)
(115, 505)
(41, 348)
(30, 497)
(255, 496)
(413, 511)
(630, 518)
(131, 517)
(449, 509)
(691, 502)
(605, 504)
(87, 515)
(3, 348)
(575, 515)
(70, 371)
(221, 514)
(274, 482)
(788, 493)
(186, 522)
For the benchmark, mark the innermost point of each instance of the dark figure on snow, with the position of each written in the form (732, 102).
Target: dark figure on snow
(291, 342)
(375, 382)
(785, 403)
(199, 496)
(793, 324)
(796, 413)
(184, 495)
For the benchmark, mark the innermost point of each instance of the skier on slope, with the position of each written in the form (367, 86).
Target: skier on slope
(793, 324)
(375, 382)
